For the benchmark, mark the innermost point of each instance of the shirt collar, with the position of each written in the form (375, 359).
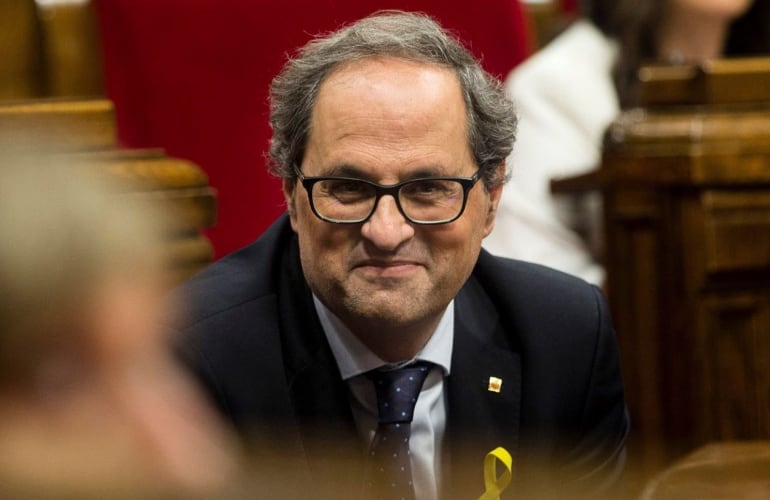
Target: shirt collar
(354, 358)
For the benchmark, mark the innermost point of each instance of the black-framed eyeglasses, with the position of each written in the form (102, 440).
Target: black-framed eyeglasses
(427, 200)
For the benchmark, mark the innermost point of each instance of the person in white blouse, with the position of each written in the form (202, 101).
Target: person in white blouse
(567, 94)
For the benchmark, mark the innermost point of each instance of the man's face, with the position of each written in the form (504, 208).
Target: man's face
(389, 120)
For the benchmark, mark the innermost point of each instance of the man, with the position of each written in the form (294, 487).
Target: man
(391, 142)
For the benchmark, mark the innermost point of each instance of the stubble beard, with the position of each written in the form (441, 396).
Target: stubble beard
(397, 311)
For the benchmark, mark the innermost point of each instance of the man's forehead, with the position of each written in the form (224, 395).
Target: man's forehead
(399, 93)
(390, 67)
(411, 113)
(379, 103)
(390, 88)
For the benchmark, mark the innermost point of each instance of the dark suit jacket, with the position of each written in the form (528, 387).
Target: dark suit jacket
(253, 338)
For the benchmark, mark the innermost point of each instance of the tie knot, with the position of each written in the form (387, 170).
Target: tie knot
(397, 391)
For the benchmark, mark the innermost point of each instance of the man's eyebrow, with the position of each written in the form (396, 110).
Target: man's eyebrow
(348, 170)
(429, 171)
(345, 170)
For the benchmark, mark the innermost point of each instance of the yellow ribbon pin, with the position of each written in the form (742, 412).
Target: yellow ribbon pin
(496, 485)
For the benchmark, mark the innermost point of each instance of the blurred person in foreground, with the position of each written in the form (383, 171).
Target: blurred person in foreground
(568, 94)
(92, 404)
(391, 142)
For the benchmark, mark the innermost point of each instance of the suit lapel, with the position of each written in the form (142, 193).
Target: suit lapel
(319, 395)
(479, 419)
(327, 428)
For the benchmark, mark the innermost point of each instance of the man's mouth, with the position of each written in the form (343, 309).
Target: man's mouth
(387, 269)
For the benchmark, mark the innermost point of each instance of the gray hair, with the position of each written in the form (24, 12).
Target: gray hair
(410, 36)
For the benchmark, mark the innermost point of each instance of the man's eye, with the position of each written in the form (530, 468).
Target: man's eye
(427, 188)
(347, 190)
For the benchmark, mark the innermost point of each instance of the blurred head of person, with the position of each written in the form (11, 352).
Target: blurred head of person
(91, 402)
(678, 31)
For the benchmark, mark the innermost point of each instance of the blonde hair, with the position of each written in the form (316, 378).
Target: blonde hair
(64, 231)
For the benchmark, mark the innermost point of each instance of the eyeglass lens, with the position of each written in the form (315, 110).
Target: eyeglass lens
(423, 200)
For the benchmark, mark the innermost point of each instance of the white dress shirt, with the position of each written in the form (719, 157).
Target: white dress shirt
(354, 359)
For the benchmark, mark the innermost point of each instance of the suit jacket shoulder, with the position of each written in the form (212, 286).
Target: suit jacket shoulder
(243, 276)
(229, 331)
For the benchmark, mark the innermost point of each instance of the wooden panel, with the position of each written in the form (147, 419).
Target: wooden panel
(545, 19)
(687, 201)
(737, 80)
(186, 209)
(71, 54)
(737, 230)
(762, 374)
(723, 81)
(735, 470)
(21, 62)
(732, 357)
(185, 255)
(631, 222)
(142, 169)
(51, 49)
(661, 84)
(58, 125)
(735, 163)
(684, 128)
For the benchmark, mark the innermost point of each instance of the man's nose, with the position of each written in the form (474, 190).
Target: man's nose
(387, 228)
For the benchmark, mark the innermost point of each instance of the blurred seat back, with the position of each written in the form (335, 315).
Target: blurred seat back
(52, 102)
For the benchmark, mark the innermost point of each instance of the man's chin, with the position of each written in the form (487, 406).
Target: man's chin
(377, 310)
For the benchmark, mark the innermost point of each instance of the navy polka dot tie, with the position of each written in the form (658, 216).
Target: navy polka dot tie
(389, 473)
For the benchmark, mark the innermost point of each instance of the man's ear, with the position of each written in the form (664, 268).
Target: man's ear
(494, 193)
(289, 188)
